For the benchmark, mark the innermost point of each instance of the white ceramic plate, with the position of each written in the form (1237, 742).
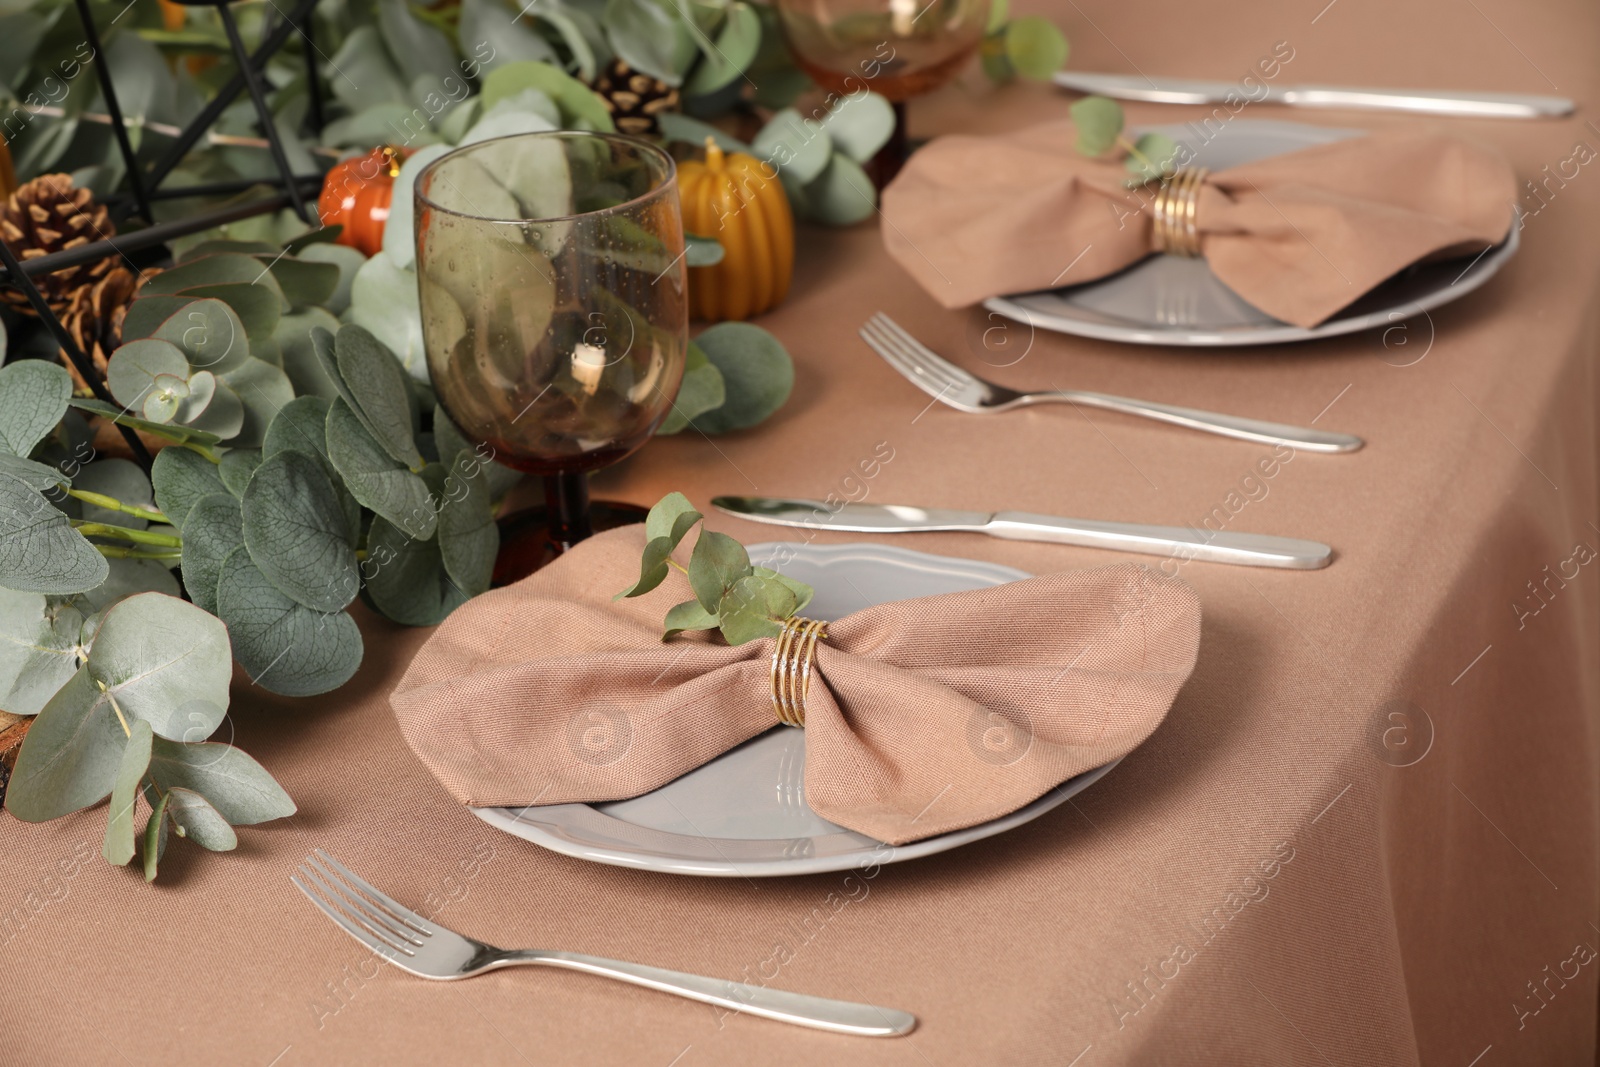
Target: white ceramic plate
(745, 813)
(1170, 300)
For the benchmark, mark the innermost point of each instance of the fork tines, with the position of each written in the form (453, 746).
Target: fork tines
(377, 921)
(933, 374)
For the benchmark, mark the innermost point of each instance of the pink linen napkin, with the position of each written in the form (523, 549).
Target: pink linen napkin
(924, 716)
(1298, 236)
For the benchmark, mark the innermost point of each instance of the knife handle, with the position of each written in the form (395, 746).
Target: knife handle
(1431, 102)
(1175, 542)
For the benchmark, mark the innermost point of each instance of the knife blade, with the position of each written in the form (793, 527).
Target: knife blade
(1176, 542)
(1425, 101)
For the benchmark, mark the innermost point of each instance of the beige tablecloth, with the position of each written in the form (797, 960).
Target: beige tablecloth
(1260, 883)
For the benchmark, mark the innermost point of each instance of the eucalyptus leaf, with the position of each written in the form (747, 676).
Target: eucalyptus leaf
(374, 478)
(33, 397)
(155, 838)
(580, 106)
(489, 22)
(224, 416)
(405, 577)
(207, 332)
(754, 608)
(305, 283)
(1035, 46)
(679, 127)
(40, 552)
(757, 375)
(223, 268)
(796, 146)
(237, 467)
(38, 649)
(468, 537)
(702, 390)
(118, 847)
(238, 787)
(147, 313)
(802, 592)
(842, 195)
(38, 475)
(298, 350)
(297, 532)
(579, 31)
(860, 124)
(70, 755)
(717, 563)
(378, 393)
(418, 49)
(1099, 124)
(369, 77)
(702, 251)
(688, 616)
(299, 425)
(263, 390)
(128, 577)
(213, 528)
(644, 36)
(348, 260)
(284, 646)
(198, 821)
(165, 661)
(1152, 156)
(257, 306)
(737, 42)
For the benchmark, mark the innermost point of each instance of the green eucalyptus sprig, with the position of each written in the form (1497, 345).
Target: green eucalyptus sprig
(1100, 123)
(744, 601)
(1031, 46)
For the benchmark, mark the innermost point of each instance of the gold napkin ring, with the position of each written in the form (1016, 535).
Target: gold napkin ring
(1173, 227)
(791, 668)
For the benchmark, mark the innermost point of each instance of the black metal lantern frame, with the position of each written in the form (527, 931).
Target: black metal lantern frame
(145, 184)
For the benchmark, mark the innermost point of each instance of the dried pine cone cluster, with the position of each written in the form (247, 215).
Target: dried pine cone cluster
(634, 99)
(50, 214)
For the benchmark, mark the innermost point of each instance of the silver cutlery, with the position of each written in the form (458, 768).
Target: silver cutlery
(1177, 542)
(428, 950)
(946, 382)
(1424, 101)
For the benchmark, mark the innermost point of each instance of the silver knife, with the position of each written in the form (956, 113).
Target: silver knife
(1177, 542)
(1426, 101)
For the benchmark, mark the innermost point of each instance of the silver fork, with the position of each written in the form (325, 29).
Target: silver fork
(428, 950)
(945, 381)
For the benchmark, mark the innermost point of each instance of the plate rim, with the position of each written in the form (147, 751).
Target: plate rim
(517, 822)
(1477, 273)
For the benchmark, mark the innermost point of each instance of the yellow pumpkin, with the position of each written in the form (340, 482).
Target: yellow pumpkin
(739, 201)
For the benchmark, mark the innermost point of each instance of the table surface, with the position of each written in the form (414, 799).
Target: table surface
(1259, 883)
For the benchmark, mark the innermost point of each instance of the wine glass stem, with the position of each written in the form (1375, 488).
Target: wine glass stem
(566, 496)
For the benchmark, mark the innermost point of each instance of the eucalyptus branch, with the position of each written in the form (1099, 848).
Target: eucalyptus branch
(125, 552)
(142, 537)
(109, 503)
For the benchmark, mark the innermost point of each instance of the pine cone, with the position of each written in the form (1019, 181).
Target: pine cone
(47, 215)
(13, 728)
(94, 318)
(634, 99)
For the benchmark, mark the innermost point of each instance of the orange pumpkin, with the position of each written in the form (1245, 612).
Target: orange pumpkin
(738, 200)
(357, 193)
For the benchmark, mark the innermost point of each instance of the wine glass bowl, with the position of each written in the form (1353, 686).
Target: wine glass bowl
(896, 48)
(550, 270)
